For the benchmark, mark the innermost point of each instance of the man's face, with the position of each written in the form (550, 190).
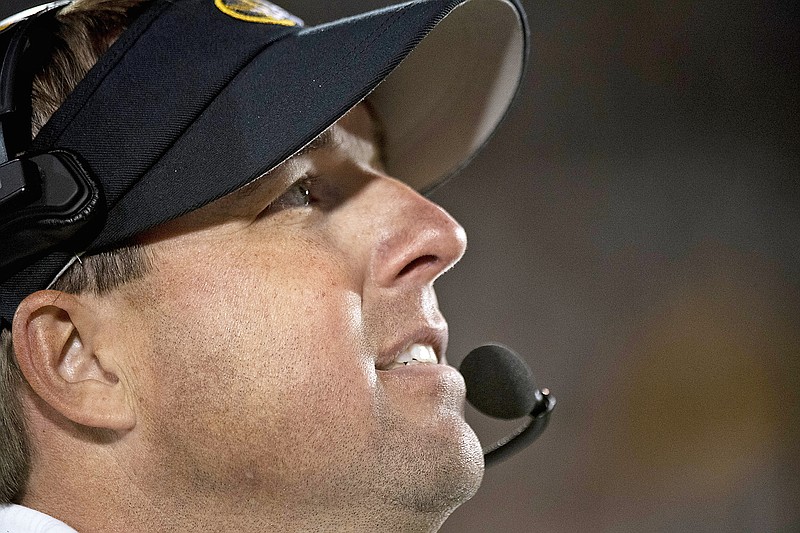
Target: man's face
(264, 340)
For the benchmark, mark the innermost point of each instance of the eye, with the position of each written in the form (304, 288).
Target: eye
(297, 195)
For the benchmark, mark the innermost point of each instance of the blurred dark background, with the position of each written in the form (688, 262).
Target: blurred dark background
(634, 234)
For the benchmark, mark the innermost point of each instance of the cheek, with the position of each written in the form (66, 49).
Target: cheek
(252, 359)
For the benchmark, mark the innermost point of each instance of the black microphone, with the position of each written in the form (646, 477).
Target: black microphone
(500, 384)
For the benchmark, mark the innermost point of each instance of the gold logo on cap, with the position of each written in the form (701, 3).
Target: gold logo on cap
(259, 11)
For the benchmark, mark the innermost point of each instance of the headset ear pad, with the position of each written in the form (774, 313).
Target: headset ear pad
(47, 201)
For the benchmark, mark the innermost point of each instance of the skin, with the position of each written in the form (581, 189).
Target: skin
(242, 385)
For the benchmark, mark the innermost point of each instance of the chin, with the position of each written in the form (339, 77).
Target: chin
(434, 479)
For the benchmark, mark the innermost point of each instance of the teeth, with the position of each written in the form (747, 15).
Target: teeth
(415, 354)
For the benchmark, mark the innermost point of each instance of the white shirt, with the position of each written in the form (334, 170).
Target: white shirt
(19, 519)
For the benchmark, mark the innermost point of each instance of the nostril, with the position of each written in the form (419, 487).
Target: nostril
(419, 262)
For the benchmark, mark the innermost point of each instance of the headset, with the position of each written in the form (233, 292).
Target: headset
(46, 199)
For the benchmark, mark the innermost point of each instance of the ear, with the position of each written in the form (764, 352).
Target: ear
(57, 345)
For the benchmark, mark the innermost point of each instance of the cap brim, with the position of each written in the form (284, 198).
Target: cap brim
(446, 98)
(437, 108)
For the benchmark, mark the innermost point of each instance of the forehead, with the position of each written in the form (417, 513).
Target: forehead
(361, 123)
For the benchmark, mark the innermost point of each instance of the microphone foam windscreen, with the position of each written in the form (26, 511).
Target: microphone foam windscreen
(499, 383)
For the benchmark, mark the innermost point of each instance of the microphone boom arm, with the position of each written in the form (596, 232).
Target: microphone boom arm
(522, 437)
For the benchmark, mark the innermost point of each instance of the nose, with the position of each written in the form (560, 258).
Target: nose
(416, 240)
